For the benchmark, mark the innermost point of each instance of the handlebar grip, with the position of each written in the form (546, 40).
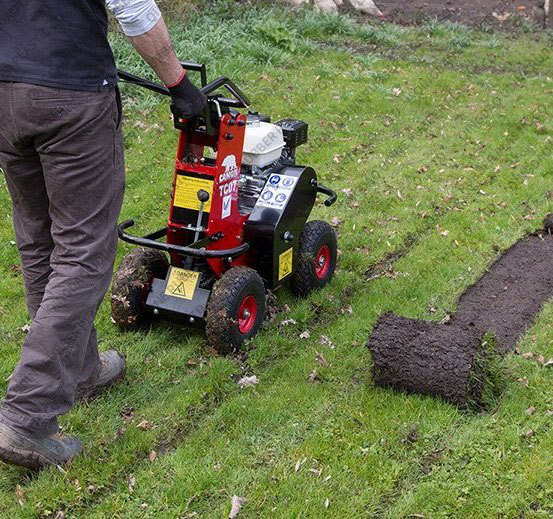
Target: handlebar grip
(332, 196)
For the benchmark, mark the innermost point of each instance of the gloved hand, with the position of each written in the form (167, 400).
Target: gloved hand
(187, 100)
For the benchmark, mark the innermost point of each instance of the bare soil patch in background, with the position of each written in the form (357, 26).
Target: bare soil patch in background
(469, 12)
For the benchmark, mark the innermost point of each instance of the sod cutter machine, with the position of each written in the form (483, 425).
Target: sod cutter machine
(237, 223)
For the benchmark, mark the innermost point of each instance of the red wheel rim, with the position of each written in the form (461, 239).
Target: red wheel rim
(247, 314)
(322, 262)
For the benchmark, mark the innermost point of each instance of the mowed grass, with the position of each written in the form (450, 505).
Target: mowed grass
(439, 141)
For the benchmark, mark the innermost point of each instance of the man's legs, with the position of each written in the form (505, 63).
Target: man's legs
(31, 220)
(78, 140)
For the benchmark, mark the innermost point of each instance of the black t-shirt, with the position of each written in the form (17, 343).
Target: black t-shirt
(57, 43)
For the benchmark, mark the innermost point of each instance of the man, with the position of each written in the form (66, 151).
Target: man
(61, 151)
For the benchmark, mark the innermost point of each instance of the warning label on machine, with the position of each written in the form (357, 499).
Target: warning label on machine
(277, 191)
(182, 283)
(285, 263)
(186, 192)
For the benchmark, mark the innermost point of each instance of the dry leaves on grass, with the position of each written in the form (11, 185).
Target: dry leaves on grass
(288, 321)
(144, 425)
(305, 335)
(325, 341)
(20, 494)
(248, 381)
(313, 376)
(152, 456)
(319, 357)
(523, 381)
(299, 464)
(539, 359)
(236, 506)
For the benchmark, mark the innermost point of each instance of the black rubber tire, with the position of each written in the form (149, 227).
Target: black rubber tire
(315, 235)
(131, 283)
(229, 291)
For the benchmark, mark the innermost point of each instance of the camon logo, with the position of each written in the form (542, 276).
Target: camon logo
(231, 169)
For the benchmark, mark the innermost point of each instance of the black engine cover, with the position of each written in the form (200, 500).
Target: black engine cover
(277, 220)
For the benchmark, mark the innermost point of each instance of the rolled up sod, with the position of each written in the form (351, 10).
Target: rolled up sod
(450, 362)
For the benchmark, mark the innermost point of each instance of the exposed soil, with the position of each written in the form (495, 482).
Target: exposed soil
(418, 356)
(506, 299)
(468, 12)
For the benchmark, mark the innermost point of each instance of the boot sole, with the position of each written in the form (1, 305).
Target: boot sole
(23, 458)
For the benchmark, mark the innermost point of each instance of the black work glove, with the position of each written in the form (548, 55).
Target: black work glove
(187, 100)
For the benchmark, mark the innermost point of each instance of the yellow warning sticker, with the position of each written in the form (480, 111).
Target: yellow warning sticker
(182, 283)
(285, 263)
(186, 192)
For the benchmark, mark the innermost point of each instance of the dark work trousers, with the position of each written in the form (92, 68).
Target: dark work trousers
(62, 155)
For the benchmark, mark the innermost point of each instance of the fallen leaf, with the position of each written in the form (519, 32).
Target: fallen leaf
(144, 425)
(335, 222)
(528, 433)
(319, 357)
(347, 191)
(325, 341)
(132, 483)
(313, 376)
(327, 503)
(549, 363)
(396, 92)
(25, 328)
(531, 410)
(523, 381)
(152, 456)
(540, 360)
(527, 355)
(305, 335)
(236, 505)
(20, 494)
(60, 515)
(288, 321)
(248, 381)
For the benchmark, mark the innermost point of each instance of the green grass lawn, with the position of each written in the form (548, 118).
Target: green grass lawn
(439, 140)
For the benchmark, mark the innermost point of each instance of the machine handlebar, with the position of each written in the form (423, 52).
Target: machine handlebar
(240, 100)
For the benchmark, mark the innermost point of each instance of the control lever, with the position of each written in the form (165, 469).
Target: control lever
(203, 197)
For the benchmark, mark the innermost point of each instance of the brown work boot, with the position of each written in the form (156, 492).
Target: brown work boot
(112, 369)
(35, 453)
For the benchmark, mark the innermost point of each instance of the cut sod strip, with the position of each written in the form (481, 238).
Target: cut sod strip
(451, 360)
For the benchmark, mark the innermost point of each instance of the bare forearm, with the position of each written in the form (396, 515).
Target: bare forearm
(156, 49)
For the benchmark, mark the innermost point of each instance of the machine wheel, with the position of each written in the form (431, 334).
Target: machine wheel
(317, 258)
(131, 283)
(236, 309)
